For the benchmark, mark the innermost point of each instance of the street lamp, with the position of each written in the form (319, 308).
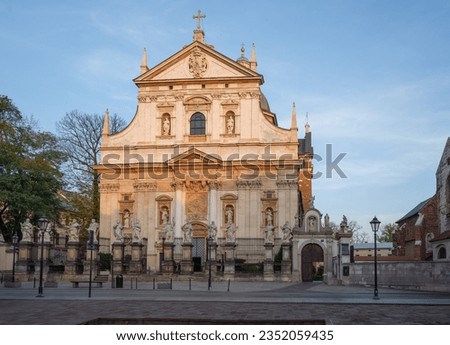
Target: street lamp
(209, 260)
(375, 224)
(42, 223)
(91, 247)
(15, 239)
(162, 254)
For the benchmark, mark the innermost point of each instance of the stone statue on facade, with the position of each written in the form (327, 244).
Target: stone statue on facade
(50, 227)
(118, 232)
(311, 224)
(230, 231)
(229, 215)
(344, 224)
(230, 125)
(126, 219)
(166, 126)
(164, 216)
(269, 236)
(187, 232)
(27, 231)
(212, 231)
(74, 231)
(94, 227)
(269, 217)
(169, 233)
(137, 232)
(287, 232)
(327, 221)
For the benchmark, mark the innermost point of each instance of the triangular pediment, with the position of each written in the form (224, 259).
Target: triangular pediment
(192, 157)
(197, 61)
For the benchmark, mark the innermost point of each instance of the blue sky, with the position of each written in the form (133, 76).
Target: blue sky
(374, 77)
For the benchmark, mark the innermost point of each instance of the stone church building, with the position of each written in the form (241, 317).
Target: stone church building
(204, 172)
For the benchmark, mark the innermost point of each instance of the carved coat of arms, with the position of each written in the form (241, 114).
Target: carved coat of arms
(197, 64)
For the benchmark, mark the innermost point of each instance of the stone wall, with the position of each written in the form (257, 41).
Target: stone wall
(426, 276)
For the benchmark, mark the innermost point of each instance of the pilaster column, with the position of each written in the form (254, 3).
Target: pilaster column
(178, 186)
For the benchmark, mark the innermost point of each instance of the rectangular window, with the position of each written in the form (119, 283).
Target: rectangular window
(345, 249)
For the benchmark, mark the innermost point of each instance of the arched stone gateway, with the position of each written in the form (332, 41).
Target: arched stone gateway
(312, 261)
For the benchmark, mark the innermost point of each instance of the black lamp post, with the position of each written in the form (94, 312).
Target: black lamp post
(91, 247)
(162, 256)
(15, 239)
(42, 223)
(209, 261)
(375, 224)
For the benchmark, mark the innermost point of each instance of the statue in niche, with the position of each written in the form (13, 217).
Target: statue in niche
(287, 232)
(229, 215)
(118, 232)
(212, 231)
(94, 227)
(269, 217)
(164, 216)
(126, 219)
(230, 124)
(311, 224)
(137, 232)
(187, 232)
(166, 125)
(27, 231)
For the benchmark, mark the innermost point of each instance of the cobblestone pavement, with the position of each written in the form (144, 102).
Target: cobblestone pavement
(237, 303)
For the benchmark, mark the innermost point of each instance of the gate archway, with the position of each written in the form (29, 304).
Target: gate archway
(312, 261)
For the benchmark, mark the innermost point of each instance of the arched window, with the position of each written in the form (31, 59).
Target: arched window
(442, 253)
(198, 124)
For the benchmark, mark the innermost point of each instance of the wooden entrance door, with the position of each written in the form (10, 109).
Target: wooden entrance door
(312, 256)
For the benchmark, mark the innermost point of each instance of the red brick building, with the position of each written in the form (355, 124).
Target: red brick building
(415, 231)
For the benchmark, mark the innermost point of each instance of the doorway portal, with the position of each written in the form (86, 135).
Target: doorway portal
(312, 262)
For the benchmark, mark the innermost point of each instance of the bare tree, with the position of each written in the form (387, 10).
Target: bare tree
(80, 137)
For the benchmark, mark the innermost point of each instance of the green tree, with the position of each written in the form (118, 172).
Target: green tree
(80, 137)
(387, 234)
(30, 179)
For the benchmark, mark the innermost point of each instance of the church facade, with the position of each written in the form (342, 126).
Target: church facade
(204, 172)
